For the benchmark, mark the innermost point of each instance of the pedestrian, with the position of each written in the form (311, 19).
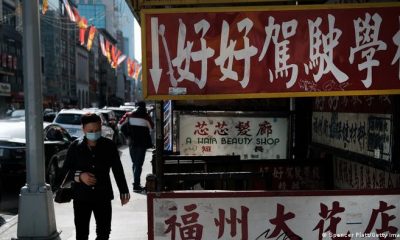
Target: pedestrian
(138, 124)
(90, 159)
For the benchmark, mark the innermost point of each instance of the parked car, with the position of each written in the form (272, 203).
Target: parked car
(108, 114)
(70, 119)
(13, 148)
(110, 118)
(49, 116)
(19, 113)
(120, 111)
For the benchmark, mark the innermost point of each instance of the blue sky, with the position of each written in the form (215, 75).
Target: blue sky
(131, 31)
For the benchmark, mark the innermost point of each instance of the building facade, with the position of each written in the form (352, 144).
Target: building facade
(82, 77)
(100, 13)
(58, 42)
(11, 73)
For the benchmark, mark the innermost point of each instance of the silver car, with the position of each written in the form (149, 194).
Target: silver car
(70, 119)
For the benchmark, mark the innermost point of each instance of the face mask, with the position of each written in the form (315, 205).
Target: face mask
(93, 136)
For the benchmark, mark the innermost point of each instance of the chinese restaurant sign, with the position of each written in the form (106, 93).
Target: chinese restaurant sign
(249, 137)
(261, 215)
(367, 134)
(320, 50)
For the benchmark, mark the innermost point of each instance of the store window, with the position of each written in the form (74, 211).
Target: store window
(8, 15)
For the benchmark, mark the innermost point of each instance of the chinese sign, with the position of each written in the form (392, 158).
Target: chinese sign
(271, 51)
(261, 215)
(296, 176)
(359, 104)
(353, 175)
(249, 137)
(367, 134)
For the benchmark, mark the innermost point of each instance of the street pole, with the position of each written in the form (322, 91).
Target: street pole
(159, 145)
(36, 218)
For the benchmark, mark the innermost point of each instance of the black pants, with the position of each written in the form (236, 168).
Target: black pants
(102, 213)
(138, 155)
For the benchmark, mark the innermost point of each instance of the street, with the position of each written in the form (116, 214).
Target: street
(129, 221)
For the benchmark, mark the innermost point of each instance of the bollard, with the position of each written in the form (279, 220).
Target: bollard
(151, 182)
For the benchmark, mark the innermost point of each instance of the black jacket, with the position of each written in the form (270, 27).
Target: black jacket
(99, 161)
(137, 127)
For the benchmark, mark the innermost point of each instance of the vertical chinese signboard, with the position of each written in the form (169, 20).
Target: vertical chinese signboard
(320, 50)
(250, 137)
(261, 215)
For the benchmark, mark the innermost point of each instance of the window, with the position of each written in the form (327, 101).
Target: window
(73, 119)
(8, 15)
(94, 13)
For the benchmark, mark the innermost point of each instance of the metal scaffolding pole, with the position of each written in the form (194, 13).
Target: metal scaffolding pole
(159, 145)
(36, 218)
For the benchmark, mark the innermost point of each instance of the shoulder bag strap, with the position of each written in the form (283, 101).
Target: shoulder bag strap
(65, 178)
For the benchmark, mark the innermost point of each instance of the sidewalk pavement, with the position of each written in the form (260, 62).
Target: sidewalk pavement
(128, 222)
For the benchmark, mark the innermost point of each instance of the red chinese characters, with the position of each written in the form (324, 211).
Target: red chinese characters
(233, 220)
(189, 229)
(197, 221)
(201, 129)
(385, 219)
(329, 215)
(281, 228)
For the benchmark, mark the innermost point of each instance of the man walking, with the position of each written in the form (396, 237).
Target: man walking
(138, 124)
(90, 160)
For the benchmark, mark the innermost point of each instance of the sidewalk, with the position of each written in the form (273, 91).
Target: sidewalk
(129, 221)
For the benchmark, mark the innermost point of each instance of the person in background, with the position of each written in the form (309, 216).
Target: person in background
(138, 124)
(90, 159)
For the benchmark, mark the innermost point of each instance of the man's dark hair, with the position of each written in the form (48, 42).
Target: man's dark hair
(141, 104)
(90, 118)
(141, 107)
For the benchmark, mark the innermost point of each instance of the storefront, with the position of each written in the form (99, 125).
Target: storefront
(299, 98)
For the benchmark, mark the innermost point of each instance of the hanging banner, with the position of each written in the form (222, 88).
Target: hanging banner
(314, 50)
(292, 215)
(250, 137)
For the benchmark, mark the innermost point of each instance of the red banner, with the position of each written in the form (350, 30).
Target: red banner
(319, 50)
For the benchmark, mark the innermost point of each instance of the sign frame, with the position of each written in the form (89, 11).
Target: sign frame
(220, 114)
(152, 197)
(145, 76)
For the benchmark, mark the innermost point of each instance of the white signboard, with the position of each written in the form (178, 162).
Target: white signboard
(259, 215)
(363, 133)
(5, 89)
(249, 137)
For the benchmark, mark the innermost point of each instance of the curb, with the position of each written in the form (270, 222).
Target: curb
(9, 224)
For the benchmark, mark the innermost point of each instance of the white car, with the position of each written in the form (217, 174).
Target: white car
(70, 119)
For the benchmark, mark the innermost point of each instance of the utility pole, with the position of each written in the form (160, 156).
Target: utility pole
(36, 218)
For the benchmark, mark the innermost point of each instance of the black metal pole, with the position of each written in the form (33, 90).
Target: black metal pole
(159, 146)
